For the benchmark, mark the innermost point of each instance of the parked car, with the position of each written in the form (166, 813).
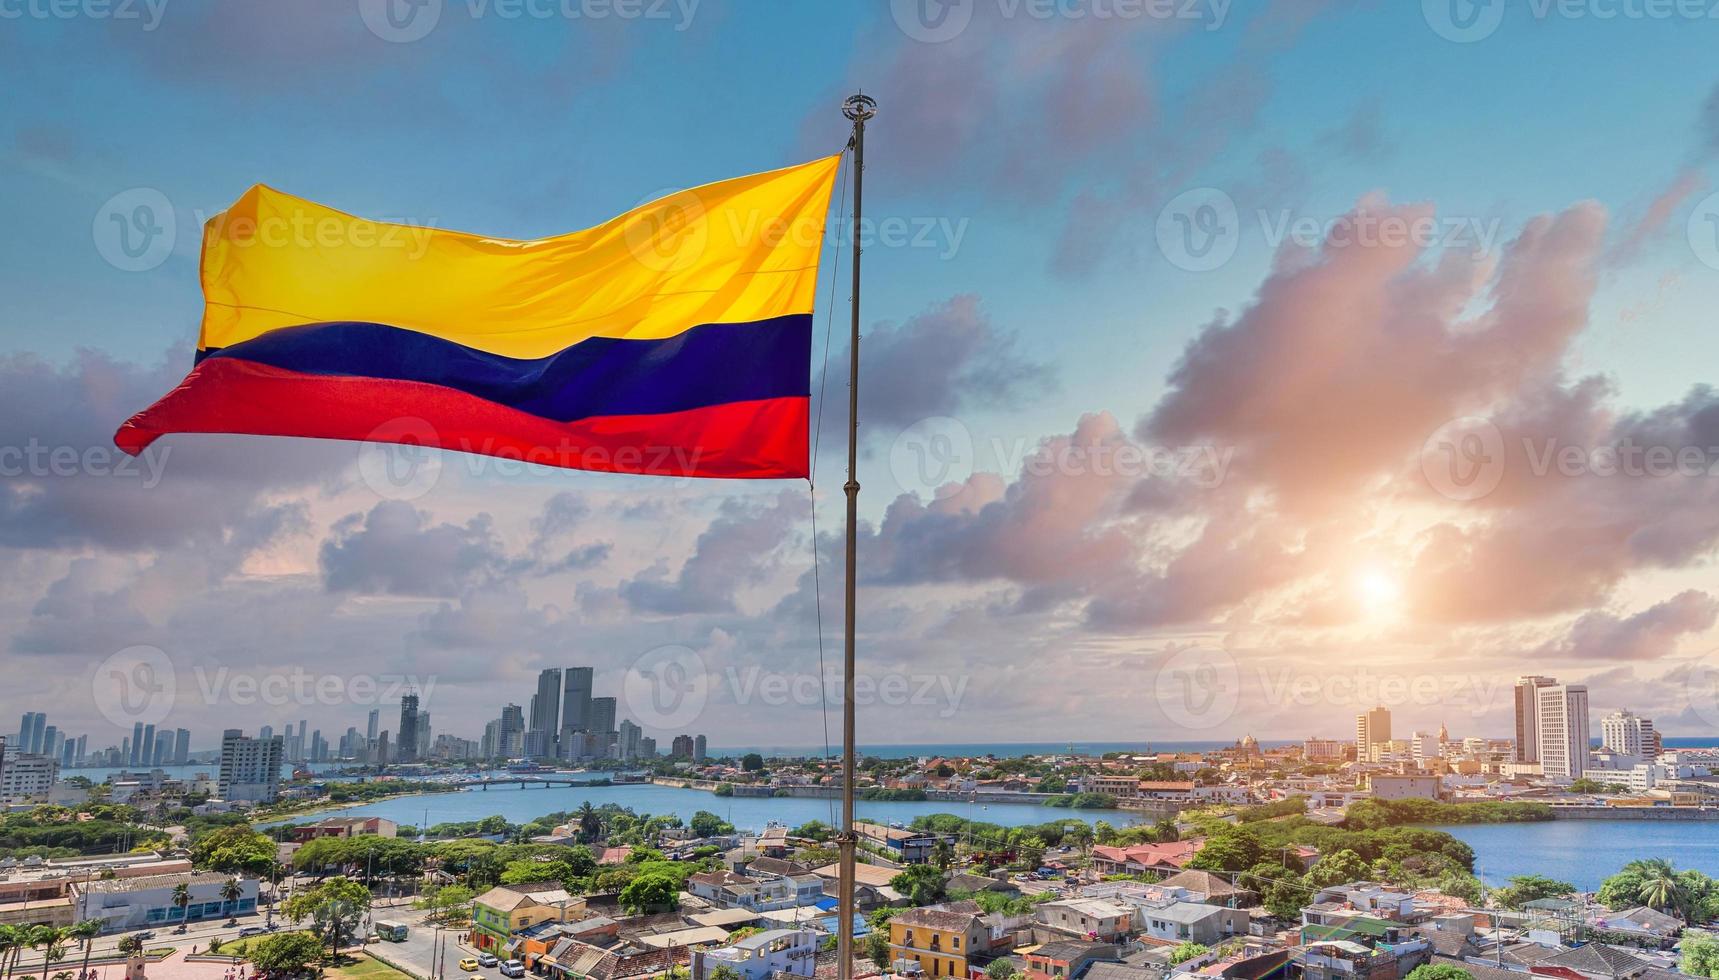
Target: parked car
(469, 964)
(513, 968)
(250, 931)
(487, 960)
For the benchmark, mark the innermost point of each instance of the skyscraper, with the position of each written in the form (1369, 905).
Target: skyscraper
(511, 731)
(181, 746)
(374, 725)
(575, 705)
(30, 733)
(629, 741)
(406, 745)
(602, 719)
(699, 747)
(1371, 728)
(146, 754)
(1562, 721)
(1527, 715)
(546, 707)
(1626, 734)
(136, 742)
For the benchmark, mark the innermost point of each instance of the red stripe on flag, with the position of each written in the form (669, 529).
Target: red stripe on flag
(764, 439)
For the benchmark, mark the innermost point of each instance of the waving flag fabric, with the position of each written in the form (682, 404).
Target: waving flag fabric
(674, 339)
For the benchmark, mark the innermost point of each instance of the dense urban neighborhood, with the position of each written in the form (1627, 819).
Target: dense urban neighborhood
(1317, 858)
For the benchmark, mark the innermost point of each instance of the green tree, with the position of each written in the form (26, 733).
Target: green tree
(725, 972)
(235, 850)
(1337, 869)
(1002, 968)
(182, 901)
(877, 947)
(707, 824)
(1185, 952)
(920, 884)
(1228, 850)
(1700, 954)
(752, 762)
(286, 953)
(1439, 971)
(334, 907)
(231, 892)
(651, 891)
(85, 932)
(1529, 888)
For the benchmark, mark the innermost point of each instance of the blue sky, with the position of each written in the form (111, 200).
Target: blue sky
(1037, 155)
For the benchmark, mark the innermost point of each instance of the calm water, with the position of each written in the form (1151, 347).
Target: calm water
(1585, 852)
(521, 805)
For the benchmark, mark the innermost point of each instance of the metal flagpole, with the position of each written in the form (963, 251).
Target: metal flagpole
(858, 109)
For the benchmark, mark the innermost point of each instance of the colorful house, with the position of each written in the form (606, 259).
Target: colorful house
(939, 940)
(503, 911)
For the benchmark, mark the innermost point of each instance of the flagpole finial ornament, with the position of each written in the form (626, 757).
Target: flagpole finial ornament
(859, 108)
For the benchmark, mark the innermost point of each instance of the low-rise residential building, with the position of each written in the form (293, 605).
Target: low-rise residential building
(908, 846)
(774, 952)
(1145, 859)
(1397, 786)
(937, 940)
(1194, 922)
(346, 827)
(508, 909)
(1087, 918)
(1066, 959)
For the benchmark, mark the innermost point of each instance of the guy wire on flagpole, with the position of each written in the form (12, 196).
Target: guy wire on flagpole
(858, 108)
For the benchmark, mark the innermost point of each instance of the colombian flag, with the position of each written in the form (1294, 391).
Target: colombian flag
(673, 340)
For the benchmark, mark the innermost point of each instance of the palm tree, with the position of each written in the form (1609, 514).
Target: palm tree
(590, 824)
(231, 892)
(85, 933)
(1660, 888)
(182, 899)
(52, 940)
(11, 940)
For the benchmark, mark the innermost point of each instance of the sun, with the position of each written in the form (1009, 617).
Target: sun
(1377, 590)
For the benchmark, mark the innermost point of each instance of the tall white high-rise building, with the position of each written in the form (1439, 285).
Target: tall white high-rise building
(250, 767)
(1624, 733)
(1562, 723)
(1527, 713)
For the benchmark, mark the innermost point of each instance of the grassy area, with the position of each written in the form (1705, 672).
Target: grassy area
(364, 968)
(241, 947)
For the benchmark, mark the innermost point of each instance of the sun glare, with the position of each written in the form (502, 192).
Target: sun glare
(1377, 590)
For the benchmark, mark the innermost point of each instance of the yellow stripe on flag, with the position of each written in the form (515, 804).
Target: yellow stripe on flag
(734, 251)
